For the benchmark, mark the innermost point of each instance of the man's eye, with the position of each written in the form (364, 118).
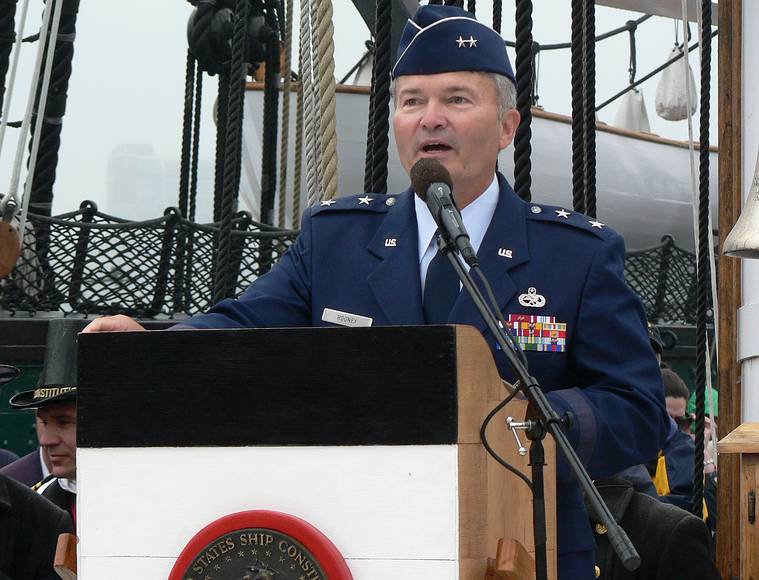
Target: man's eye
(410, 102)
(458, 100)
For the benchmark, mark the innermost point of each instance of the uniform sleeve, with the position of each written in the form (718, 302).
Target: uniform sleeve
(617, 397)
(281, 297)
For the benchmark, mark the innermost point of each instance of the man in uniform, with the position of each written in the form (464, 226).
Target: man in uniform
(558, 275)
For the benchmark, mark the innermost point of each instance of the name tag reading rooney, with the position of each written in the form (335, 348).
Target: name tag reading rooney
(345, 318)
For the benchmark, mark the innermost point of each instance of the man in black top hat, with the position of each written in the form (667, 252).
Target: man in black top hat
(54, 400)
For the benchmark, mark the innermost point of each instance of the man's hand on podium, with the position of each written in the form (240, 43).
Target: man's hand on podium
(118, 323)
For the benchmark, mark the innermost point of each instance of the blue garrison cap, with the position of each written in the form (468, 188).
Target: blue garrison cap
(443, 39)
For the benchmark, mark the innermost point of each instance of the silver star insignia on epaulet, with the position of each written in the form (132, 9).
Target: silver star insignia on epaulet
(562, 213)
(596, 224)
(472, 41)
(365, 200)
(462, 41)
(327, 202)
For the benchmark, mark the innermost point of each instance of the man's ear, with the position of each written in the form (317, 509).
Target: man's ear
(509, 125)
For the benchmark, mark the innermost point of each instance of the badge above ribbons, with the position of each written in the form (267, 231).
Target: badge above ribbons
(538, 333)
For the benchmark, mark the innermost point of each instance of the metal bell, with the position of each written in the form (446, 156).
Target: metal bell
(743, 239)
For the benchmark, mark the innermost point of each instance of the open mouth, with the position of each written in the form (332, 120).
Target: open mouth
(435, 147)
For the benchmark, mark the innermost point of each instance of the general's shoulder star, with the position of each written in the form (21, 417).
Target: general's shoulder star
(364, 200)
(472, 41)
(327, 202)
(562, 213)
(461, 41)
(596, 224)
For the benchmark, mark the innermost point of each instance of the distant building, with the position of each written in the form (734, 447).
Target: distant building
(142, 184)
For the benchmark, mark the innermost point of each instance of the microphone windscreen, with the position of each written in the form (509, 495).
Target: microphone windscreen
(425, 172)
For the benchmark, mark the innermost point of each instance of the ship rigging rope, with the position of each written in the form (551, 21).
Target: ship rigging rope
(298, 155)
(578, 110)
(285, 131)
(704, 241)
(380, 103)
(524, 85)
(232, 148)
(589, 103)
(5, 103)
(309, 70)
(48, 36)
(327, 109)
(497, 15)
(12, 194)
(187, 129)
(195, 144)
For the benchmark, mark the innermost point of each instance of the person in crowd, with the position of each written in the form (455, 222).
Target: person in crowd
(29, 530)
(54, 402)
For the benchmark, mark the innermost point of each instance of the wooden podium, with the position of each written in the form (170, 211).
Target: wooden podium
(371, 435)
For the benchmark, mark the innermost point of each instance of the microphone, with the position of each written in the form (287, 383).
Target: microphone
(432, 183)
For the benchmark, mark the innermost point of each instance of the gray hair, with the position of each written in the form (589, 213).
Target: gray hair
(506, 92)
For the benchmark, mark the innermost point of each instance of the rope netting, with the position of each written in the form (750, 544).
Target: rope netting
(101, 264)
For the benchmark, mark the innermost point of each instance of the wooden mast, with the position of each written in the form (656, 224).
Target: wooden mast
(729, 272)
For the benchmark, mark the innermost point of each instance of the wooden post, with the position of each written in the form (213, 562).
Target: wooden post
(743, 445)
(729, 293)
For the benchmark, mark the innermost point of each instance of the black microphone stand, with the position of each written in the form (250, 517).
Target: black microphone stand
(536, 429)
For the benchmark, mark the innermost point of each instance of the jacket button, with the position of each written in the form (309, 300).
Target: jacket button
(601, 529)
(598, 572)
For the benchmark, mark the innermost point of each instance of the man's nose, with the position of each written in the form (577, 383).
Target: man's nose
(48, 436)
(433, 117)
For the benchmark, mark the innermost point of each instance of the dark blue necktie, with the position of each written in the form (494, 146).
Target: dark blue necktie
(441, 288)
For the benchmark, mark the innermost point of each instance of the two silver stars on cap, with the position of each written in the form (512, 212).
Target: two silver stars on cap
(471, 41)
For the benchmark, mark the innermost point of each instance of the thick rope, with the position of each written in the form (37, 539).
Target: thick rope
(232, 152)
(369, 157)
(578, 193)
(48, 140)
(327, 108)
(285, 124)
(298, 164)
(309, 71)
(497, 15)
(472, 6)
(702, 272)
(7, 37)
(193, 196)
(222, 108)
(271, 106)
(381, 94)
(589, 100)
(184, 176)
(195, 144)
(16, 174)
(524, 76)
(184, 163)
(11, 84)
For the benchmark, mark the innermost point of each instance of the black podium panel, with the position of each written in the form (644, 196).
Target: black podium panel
(301, 386)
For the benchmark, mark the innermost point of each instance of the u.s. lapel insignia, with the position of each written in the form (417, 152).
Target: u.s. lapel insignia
(504, 253)
(391, 242)
(532, 299)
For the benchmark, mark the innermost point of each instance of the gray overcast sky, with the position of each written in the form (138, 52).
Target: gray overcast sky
(128, 82)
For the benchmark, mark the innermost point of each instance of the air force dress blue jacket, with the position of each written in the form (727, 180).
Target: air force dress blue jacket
(559, 278)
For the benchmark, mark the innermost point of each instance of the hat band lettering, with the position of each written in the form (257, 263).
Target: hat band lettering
(48, 392)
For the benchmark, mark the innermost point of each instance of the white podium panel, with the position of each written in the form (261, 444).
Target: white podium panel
(392, 511)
